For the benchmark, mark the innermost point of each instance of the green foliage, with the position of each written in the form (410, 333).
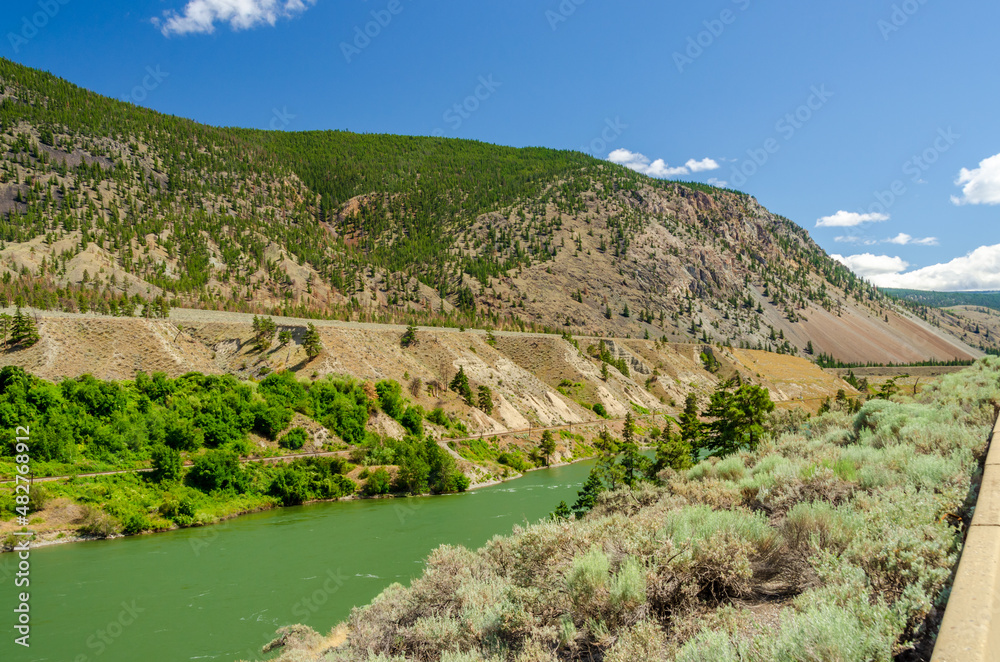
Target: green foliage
(379, 482)
(673, 452)
(547, 445)
(264, 329)
(739, 418)
(294, 439)
(23, 332)
(600, 410)
(270, 420)
(166, 464)
(586, 498)
(311, 341)
(409, 337)
(426, 467)
(310, 479)
(390, 398)
(485, 399)
(218, 470)
(460, 384)
(413, 420)
(691, 426)
(438, 417)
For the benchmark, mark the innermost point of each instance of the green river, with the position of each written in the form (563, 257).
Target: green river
(220, 592)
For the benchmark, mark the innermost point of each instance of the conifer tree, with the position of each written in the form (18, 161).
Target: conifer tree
(311, 341)
(460, 385)
(23, 331)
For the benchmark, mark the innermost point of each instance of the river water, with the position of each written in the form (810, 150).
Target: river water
(220, 592)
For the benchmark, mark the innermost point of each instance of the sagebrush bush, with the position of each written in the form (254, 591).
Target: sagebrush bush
(844, 519)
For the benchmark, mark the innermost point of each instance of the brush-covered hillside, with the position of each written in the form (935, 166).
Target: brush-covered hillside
(105, 206)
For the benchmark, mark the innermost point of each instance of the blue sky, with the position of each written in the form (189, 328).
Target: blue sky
(872, 123)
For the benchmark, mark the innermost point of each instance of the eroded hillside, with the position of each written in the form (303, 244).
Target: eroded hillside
(536, 379)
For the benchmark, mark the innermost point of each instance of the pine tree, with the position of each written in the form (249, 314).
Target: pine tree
(460, 385)
(409, 336)
(486, 399)
(586, 498)
(547, 446)
(632, 462)
(311, 341)
(23, 331)
(691, 428)
(5, 325)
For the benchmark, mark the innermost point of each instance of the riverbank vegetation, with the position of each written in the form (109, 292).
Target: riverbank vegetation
(194, 432)
(831, 541)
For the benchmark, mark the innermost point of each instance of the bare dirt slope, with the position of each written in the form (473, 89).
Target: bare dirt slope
(536, 379)
(866, 337)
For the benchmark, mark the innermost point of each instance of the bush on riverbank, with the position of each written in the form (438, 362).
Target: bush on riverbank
(89, 424)
(833, 541)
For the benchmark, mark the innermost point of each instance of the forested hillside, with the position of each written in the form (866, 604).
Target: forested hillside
(106, 206)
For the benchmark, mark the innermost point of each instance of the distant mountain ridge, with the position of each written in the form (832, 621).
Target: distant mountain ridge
(105, 206)
(986, 299)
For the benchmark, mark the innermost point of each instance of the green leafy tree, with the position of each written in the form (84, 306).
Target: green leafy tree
(284, 337)
(413, 420)
(218, 470)
(562, 512)
(166, 464)
(608, 469)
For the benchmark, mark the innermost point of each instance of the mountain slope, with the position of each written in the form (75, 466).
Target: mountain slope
(104, 205)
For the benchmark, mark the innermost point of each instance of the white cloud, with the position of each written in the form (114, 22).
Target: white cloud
(871, 266)
(715, 181)
(200, 16)
(701, 166)
(979, 270)
(849, 219)
(658, 168)
(903, 239)
(980, 186)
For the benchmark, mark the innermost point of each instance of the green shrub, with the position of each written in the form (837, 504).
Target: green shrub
(438, 417)
(218, 470)
(515, 460)
(98, 523)
(390, 398)
(379, 482)
(600, 410)
(413, 420)
(294, 439)
(270, 420)
(588, 576)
